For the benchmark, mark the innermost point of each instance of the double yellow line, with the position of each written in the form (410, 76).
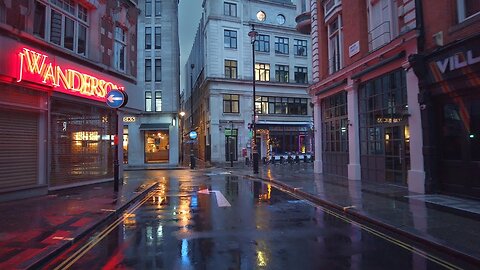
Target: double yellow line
(95, 240)
(379, 234)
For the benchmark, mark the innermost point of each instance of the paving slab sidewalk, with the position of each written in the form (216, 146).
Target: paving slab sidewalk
(35, 229)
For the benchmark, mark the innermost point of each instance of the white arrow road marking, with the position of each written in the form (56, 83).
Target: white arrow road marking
(221, 200)
(111, 98)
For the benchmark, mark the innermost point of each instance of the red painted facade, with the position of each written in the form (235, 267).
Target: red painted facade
(58, 63)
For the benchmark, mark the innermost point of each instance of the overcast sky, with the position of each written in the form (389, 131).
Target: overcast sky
(189, 14)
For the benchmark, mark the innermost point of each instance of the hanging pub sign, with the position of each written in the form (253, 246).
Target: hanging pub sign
(37, 67)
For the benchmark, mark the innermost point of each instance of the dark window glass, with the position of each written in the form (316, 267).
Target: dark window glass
(148, 70)
(158, 7)
(335, 123)
(300, 47)
(278, 105)
(148, 38)
(82, 40)
(39, 20)
(230, 9)
(158, 37)
(56, 28)
(301, 75)
(231, 104)
(148, 8)
(281, 73)
(281, 45)
(158, 70)
(230, 39)
(262, 43)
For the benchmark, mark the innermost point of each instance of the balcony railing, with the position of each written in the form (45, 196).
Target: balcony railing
(379, 36)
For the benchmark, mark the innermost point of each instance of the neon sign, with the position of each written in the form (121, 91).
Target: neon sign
(36, 66)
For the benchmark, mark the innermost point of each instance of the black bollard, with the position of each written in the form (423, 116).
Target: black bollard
(192, 161)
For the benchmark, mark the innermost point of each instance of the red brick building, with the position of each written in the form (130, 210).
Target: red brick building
(449, 68)
(59, 59)
(367, 116)
(396, 92)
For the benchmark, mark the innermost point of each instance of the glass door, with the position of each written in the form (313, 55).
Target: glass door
(397, 153)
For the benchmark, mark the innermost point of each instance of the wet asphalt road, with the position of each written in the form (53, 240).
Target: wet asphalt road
(178, 227)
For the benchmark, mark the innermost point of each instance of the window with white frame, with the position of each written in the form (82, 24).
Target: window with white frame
(300, 47)
(382, 22)
(334, 45)
(148, 101)
(281, 73)
(262, 72)
(330, 5)
(62, 22)
(158, 101)
(467, 9)
(230, 9)
(120, 49)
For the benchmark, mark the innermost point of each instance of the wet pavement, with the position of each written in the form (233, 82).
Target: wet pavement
(449, 225)
(181, 226)
(35, 229)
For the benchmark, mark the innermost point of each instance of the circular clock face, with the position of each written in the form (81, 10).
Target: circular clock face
(280, 19)
(261, 16)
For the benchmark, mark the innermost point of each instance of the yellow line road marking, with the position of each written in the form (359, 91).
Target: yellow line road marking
(89, 245)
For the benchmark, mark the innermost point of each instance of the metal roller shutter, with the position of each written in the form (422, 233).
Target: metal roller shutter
(18, 149)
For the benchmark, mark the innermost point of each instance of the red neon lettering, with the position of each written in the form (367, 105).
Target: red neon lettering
(61, 77)
(48, 74)
(35, 61)
(68, 79)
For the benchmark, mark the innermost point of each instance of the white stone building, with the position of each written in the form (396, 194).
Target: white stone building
(219, 73)
(151, 135)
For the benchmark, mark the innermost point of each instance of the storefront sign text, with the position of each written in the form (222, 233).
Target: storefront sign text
(382, 120)
(457, 61)
(129, 119)
(65, 80)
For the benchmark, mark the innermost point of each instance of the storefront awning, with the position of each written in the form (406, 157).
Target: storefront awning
(161, 126)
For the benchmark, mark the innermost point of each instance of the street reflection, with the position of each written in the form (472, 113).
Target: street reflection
(263, 229)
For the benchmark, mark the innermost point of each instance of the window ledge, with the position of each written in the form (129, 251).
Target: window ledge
(282, 54)
(470, 21)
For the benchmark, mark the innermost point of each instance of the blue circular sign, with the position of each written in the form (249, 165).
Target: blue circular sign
(193, 135)
(116, 98)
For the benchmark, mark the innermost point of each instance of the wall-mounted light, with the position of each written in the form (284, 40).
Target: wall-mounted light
(174, 121)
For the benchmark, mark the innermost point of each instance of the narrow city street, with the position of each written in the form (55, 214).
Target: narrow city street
(213, 219)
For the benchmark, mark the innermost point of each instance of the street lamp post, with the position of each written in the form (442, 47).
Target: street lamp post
(253, 35)
(182, 114)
